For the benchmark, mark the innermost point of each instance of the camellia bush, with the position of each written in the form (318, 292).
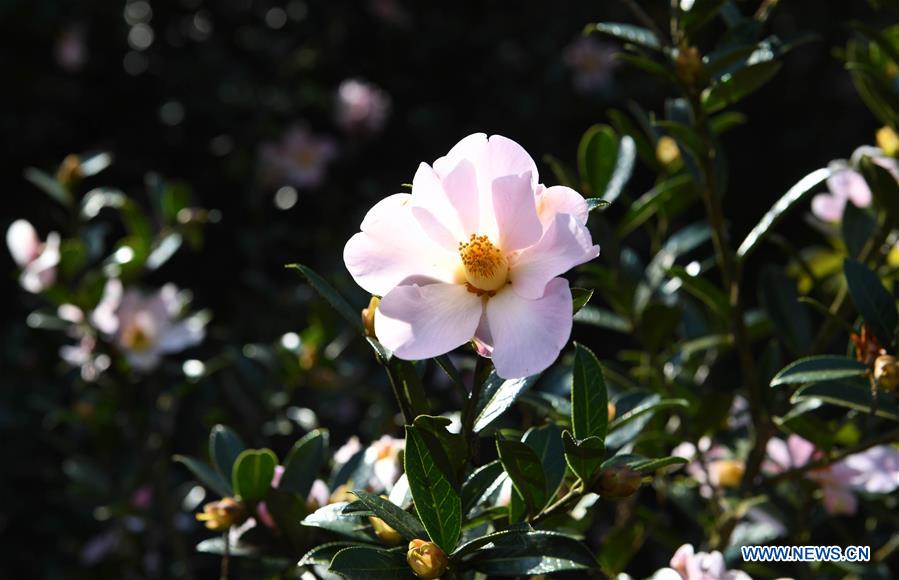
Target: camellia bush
(750, 398)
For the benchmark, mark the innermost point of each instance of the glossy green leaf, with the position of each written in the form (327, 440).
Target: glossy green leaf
(498, 395)
(400, 520)
(819, 368)
(651, 405)
(857, 228)
(621, 174)
(596, 203)
(627, 33)
(452, 445)
(408, 388)
(579, 298)
(252, 475)
(479, 484)
(789, 200)
(603, 318)
(703, 290)
(526, 472)
(224, 447)
(206, 475)
(437, 503)
(532, 553)
(371, 563)
(216, 546)
(734, 87)
(596, 157)
(790, 319)
(583, 457)
(288, 510)
(49, 185)
(876, 305)
(546, 441)
(332, 518)
(589, 398)
(304, 463)
(323, 554)
(850, 395)
(338, 302)
(656, 201)
(656, 464)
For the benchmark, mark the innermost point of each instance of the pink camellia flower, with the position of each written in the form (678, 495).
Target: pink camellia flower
(37, 259)
(847, 184)
(687, 564)
(704, 463)
(592, 62)
(877, 469)
(786, 455)
(145, 327)
(298, 159)
(361, 107)
(384, 457)
(836, 486)
(474, 252)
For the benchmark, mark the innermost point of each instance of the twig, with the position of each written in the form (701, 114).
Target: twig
(226, 557)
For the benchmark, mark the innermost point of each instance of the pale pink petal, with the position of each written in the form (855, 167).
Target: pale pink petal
(461, 189)
(104, 317)
(23, 243)
(40, 273)
(778, 456)
(472, 148)
(181, 335)
(276, 477)
(529, 334)
(483, 340)
(514, 206)
(682, 558)
(392, 247)
(318, 493)
(877, 469)
(801, 450)
(564, 245)
(561, 199)
(145, 360)
(850, 184)
(433, 209)
(506, 157)
(704, 565)
(839, 500)
(828, 208)
(418, 322)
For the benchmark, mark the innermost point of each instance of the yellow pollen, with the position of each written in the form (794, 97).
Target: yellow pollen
(134, 337)
(486, 268)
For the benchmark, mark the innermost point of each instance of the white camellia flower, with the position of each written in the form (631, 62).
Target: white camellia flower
(37, 259)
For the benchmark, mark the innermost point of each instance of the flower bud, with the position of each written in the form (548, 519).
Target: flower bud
(611, 408)
(888, 141)
(343, 493)
(426, 559)
(221, 515)
(726, 472)
(668, 153)
(368, 316)
(886, 372)
(618, 482)
(384, 532)
(688, 64)
(69, 170)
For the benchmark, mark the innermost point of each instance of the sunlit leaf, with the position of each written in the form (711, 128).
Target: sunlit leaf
(498, 395)
(394, 516)
(818, 368)
(626, 33)
(854, 396)
(526, 472)
(224, 447)
(206, 475)
(437, 503)
(532, 553)
(589, 398)
(373, 563)
(304, 462)
(252, 474)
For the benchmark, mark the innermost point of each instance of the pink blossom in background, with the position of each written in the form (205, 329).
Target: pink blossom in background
(347, 450)
(846, 184)
(318, 496)
(299, 159)
(146, 326)
(384, 457)
(702, 458)
(836, 487)
(784, 455)
(877, 469)
(71, 50)
(592, 62)
(476, 251)
(38, 260)
(687, 564)
(83, 354)
(361, 107)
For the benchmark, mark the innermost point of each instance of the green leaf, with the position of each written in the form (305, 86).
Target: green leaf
(252, 474)
(216, 546)
(857, 228)
(451, 444)
(851, 396)
(393, 515)
(546, 441)
(604, 319)
(589, 398)
(498, 395)
(597, 203)
(526, 472)
(583, 457)
(206, 475)
(579, 298)
(532, 553)
(790, 319)
(789, 200)
(819, 368)
(479, 484)
(288, 510)
(626, 33)
(304, 462)
(624, 168)
(655, 464)
(332, 518)
(596, 156)
(652, 405)
(657, 200)
(703, 290)
(408, 388)
(224, 447)
(323, 554)
(338, 302)
(698, 14)
(437, 503)
(734, 87)
(373, 563)
(876, 305)
(49, 185)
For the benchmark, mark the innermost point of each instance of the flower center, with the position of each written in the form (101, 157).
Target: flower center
(136, 338)
(486, 268)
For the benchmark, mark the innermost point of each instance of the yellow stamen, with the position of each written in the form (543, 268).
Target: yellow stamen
(486, 268)
(136, 338)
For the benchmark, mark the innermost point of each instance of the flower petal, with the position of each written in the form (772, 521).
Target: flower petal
(392, 247)
(561, 199)
(418, 322)
(514, 206)
(181, 335)
(828, 208)
(529, 334)
(23, 243)
(564, 245)
(850, 184)
(448, 208)
(506, 157)
(105, 317)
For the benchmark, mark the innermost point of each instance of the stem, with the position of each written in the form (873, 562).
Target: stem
(482, 368)
(562, 504)
(226, 558)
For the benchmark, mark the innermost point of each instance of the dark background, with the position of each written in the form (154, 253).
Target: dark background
(449, 68)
